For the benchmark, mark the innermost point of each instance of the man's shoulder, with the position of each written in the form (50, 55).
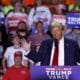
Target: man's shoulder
(10, 68)
(10, 48)
(48, 41)
(13, 67)
(73, 42)
(70, 40)
(24, 68)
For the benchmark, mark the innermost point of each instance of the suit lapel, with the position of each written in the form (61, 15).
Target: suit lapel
(66, 51)
(49, 50)
(50, 47)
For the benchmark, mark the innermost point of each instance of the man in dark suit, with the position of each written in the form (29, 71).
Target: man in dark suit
(68, 52)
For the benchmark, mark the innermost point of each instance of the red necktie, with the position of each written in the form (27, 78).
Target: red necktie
(55, 57)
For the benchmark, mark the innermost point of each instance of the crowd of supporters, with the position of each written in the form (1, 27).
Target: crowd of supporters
(20, 20)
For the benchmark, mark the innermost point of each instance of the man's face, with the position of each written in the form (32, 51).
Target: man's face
(22, 26)
(57, 32)
(38, 2)
(22, 29)
(18, 61)
(18, 7)
(39, 27)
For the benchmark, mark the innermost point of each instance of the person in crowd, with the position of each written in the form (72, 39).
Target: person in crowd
(60, 9)
(37, 38)
(9, 6)
(14, 17)
(29, 7)
(2, 17)
(9, 53)
(56, 51)
(37, 13)
(74, 8)
(74, 34)
(6, 2)
(17, 71)
(3, 36)
(22, 30)
(26, 3)
(2, 44)
(59, 14)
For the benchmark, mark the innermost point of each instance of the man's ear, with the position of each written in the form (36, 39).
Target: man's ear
(64, 29)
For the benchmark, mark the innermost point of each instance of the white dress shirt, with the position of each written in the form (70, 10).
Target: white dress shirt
(61, 53)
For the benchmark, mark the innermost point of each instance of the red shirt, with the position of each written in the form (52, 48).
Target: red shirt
(70, 2)
(6, 2)
(28, 2)
(13, 73)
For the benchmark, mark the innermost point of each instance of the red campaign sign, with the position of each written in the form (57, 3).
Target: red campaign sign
(14, 21)
(59, 18)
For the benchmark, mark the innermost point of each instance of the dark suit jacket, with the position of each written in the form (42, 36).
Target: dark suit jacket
(71, 54)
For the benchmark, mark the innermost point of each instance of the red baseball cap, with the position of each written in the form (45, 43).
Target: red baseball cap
(18, 53)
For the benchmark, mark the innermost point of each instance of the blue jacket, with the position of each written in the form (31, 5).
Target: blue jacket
(71, 54)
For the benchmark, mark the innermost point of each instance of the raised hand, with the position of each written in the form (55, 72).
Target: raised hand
(26, 45)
